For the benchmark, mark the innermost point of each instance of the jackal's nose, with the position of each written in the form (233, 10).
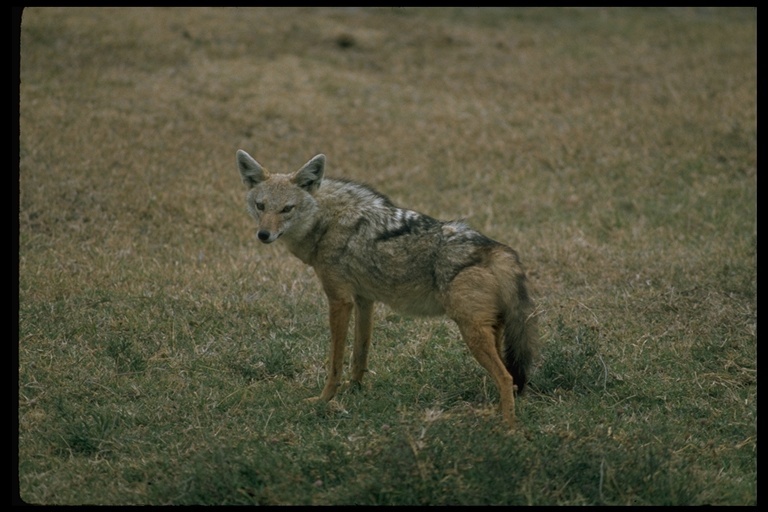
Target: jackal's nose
(263, 235)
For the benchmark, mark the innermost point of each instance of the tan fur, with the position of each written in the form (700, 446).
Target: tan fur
(364, 249)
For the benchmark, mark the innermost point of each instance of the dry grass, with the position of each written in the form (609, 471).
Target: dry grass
(163, 353)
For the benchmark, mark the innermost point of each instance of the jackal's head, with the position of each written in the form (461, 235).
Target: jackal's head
(281, 204)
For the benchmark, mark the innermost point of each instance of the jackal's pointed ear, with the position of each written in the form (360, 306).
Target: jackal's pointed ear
(250, 171)
(310, 176)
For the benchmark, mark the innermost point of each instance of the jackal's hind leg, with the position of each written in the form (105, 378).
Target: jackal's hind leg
(481, 341)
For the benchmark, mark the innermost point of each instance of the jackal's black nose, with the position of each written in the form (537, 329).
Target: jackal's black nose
(263, 235)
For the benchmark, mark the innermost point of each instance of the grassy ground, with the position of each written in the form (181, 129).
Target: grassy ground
(164, 353)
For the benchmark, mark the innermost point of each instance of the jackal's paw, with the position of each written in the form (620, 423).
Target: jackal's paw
(324, 406)
(353, 385)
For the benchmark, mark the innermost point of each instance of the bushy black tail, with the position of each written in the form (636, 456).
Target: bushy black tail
(521, 337)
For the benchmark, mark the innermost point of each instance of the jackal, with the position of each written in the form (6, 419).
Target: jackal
(365, 249)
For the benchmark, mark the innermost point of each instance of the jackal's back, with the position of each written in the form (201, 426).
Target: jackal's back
(394, 255)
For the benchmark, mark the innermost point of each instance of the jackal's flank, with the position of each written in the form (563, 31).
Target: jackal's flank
(365, 249)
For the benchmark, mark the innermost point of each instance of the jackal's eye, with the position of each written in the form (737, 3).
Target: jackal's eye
(260, 207)
(287, 209)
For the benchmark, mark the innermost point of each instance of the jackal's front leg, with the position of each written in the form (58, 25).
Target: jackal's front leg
(340, 312)
(363, 329)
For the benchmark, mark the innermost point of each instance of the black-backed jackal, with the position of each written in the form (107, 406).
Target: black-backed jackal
(365, 249)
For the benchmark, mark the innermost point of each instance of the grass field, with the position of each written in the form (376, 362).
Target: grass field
(164, 353)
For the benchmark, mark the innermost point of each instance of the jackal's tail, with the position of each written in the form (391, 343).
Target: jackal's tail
(520, 336)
